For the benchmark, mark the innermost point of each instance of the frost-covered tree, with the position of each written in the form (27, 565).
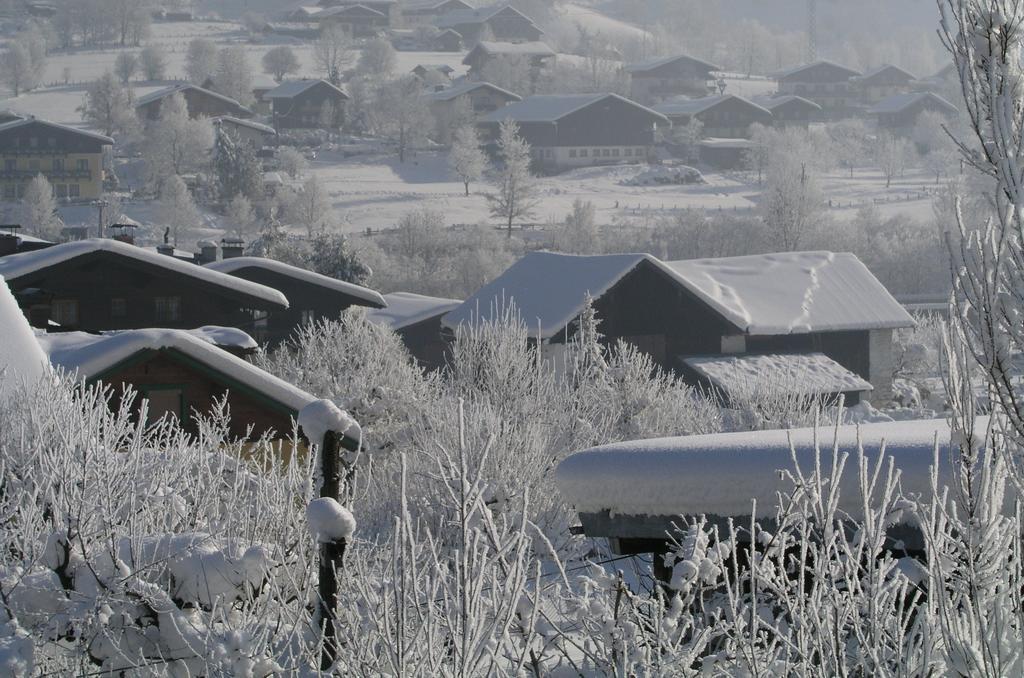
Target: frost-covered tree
(850, 142)
(153, 62)
(791, 202)
(579, 233)
(292, 162)
(240, 215)
(892, 154)
(233, 74)
(377, 59)
(125, 66)
(200, 60)
(280, 62)
(516, 196)
(401, 114)
(310, 207)
(132, 18)
(17, 69)
(176, 207)
(38, 209)
(237, 168)
(467, 160)
(933, 141)
(175, 143)
(107, 105)
(331, 254)
(331, 51)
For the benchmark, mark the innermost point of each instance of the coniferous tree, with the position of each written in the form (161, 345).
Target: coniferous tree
(517, 188)
(237, 168)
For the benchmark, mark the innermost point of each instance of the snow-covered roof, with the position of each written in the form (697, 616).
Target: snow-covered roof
(719, 474)
(407, 308)
(236, 264)
(846, 71)
(22, 361)
(468, 86)
(652, 64)
(793, 373)
(251, 124)
(15, 266)
(773, 101)
(25, 122)
(686, 106)
(719, 142)
(90, 355)
(901, 102)
(884, 68)
(349, 9)
(510, 48)
(293, 88)
(462, 17)
(182, 87)
(553, 107)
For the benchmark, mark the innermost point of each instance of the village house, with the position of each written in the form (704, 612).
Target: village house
(426, 12)
(389, 8)
(794, 318)
(823, 82)
(476, 98)
(881, 83)
(72, 160)
(261, 84)
(789, 110)
(416, 319)
(666, 77)
(250, 132)
(358, 20)
(314, 296)
(538, 56)
(103, 284)
(579, 130)
(448, 40)
(898, 114)
(721, 115)
(306, 104)
(435, 75)
(201, 102)
(502, 23)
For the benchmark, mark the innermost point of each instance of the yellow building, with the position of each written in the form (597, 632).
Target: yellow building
(71, 159)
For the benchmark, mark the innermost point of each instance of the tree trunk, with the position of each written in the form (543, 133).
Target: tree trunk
(467, 186)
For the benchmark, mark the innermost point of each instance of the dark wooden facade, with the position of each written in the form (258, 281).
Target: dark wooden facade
(319, 106)
(200, 102)
(611, 121)
(727, 116)
(426, 342)
(662, 79)
(825, 83)
(506, 24)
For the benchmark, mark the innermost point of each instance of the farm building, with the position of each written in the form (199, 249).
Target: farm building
(426, 12)
(480, 98)
(102, 284)
(201, 102)
(823, 82)
(254, 133)
(416, 319)
(721, 115)
(358, 20)
(448, 40)
(500, 22)
(72, 160)
(537, 55)
(578, 130)
(723, 154)
(789, 303)
(306, 104)
(789, 110)
(881, 83)
(898, 114)
(659, 79)
(314, 296)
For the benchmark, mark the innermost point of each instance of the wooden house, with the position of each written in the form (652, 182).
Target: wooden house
(358, 20)
(416, 319)
(103, 284)
(825, 83)
(898, 114)
(500, 22)
(433, 75)
(479, 97)
(448, 40)
(579, 130)
(306, 104)
(388, 8)
(426, 12)
(781, 304)
(881, 83)
(313, 296)
(537, 54)
(181, 375)
(72, 160)
(667, 77)
(722, 115)
(250, 132)
(789, 110)
(201, 103)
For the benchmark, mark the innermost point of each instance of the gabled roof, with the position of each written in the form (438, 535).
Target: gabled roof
(349, 9)
(289, 89)
(742, 376)
(652, 64)
(251, 124)
(492, 48)
(19, 265)
(183, 87)
(847, 72)
(553, 107)
(883, 69)
(406, 308)
(27, 122)
(429, 68)
(427, 5)
(686, 106)
(771, 102)
(466, 87)
(463, 17)
(901, 102)
(234, 265)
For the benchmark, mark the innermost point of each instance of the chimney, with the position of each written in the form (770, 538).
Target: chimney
(231, 248)
(164, 248)
(207, 252)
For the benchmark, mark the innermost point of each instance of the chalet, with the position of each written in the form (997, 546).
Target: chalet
(881, 83)
(722, 115)
(823, 82)
(479, 97)
(416, 320)
(358, 20)
(485, 52)
(898, 114)
(426, 12)
(102, 284)
(500, 22)
(254, 133)
(794, 303)
(261, 84)
(448, 40)
(674, 76)
(578, 130)
(306, 104)
(433, 75)
(789, 110)
(201, 102)
(71, 159)
(182, 375)
(314, 296)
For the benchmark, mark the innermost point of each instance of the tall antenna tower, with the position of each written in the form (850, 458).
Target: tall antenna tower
(812, 30)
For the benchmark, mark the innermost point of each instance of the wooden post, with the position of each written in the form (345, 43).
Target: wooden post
(331, 553)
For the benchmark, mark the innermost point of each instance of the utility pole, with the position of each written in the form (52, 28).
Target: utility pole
(102, 205)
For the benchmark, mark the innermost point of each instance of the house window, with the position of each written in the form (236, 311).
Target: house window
(10, 192)
(597, 152)
(58, 164)
(572, 152)
(62, 190)
(583, 152)
(73, 190)
(607, 153)
(639, 152)
(33, 142)
(64, 312)
(168, 309)
(82, 164)
(51, 142)
(164, 402)
(33, 164)
(629, 152)
(615, 152)
(118, 307)
(10, 164)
